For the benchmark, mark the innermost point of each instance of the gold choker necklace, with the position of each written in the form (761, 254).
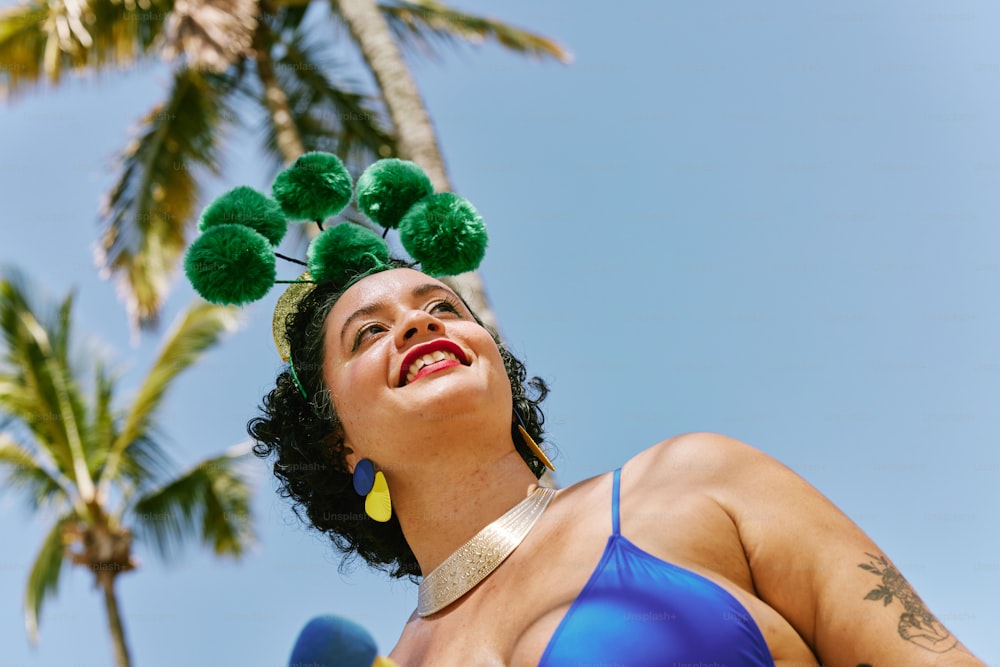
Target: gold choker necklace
(476, 559)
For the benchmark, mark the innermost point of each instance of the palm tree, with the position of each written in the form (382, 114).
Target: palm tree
(276, 55)
(96, 469)
(417, 140)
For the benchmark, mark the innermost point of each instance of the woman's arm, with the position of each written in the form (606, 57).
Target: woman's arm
(814, 566)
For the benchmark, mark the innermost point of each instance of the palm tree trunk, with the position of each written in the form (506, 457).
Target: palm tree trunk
(289, 140)
(415, 134)
(106, 580)
(416, 138)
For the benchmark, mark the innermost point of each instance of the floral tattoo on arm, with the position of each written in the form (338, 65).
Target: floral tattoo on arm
(917, 624)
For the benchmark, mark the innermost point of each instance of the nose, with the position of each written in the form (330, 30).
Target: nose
(418, 324)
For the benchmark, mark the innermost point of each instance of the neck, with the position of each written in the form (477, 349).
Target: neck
(442, 507)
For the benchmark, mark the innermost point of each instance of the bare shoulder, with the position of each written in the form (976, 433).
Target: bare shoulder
(698, 457)
(736, 476)
(699, 444)
(808, 560)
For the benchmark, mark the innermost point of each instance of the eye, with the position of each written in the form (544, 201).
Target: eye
(446, 306)
(366, 332)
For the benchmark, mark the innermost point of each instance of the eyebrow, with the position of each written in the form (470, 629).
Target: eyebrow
(372, 308)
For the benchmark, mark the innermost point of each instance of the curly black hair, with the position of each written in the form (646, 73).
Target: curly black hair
(305, 436)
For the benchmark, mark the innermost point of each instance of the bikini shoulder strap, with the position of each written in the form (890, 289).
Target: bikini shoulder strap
(615, 493)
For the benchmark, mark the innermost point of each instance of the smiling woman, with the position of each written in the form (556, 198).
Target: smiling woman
(407, 433)
(301, 432)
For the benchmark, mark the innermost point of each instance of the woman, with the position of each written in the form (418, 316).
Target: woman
(406, 432)
(784, 575)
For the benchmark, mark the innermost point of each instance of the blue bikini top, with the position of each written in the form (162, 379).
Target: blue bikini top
(638, 610)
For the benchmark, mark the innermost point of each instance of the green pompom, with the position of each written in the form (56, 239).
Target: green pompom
(230, 264)
(388, 188)
(315, 187)
(246, 206)
(445, 234)
(343, 251)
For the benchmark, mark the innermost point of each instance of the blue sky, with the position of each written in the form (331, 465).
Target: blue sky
(776, 222)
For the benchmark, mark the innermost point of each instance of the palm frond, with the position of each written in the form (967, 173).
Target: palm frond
(49, 39)
(37, 417)
(61, 328)
(330, 114)
(427, 25)
(288, 15)
(212, 34)
(210, 501)
(43, 582)
(143, 463)
(148, 212)
(48, 400)
(22, 45)
(143, 460)
(101, 429)
(28, 470)
(195, 331)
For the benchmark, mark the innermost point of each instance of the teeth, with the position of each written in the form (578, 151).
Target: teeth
(425, 360)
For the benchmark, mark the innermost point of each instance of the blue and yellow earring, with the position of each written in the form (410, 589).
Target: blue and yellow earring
(373, 487)
(532, 445)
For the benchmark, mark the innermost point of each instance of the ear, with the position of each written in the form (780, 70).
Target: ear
(351, 457)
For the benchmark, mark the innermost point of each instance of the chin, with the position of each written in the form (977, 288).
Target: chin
(446, 400)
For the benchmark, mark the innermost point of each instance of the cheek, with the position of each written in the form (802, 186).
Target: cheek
(352, 388)
(339, 382)
(505, 388)
(500, 381)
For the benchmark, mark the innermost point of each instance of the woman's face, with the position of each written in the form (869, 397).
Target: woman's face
(406, 362)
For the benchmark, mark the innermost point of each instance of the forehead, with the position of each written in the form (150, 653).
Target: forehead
(385, 287)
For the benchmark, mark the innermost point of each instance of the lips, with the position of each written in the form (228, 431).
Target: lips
(429, 357)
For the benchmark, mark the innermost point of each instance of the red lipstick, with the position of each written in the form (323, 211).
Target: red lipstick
(439, 344)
